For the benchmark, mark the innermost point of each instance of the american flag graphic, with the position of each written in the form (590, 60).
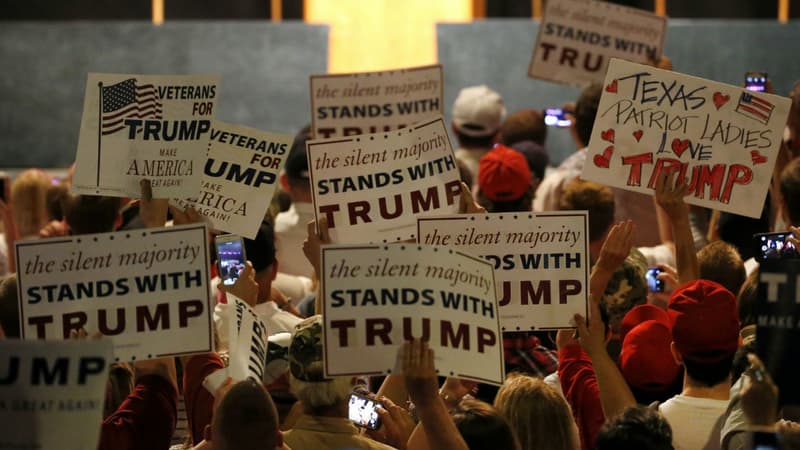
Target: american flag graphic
(755, 108)
(125, 99)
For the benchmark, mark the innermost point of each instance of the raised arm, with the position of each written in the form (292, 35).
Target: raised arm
(669, 195)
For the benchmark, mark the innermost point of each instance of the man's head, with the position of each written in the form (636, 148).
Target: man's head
(477, 114)
(705, 331)
(504, 181)
(536, 155)
(316, 392)
(523, 125)
(790, 193)
(261, 253)
(295, 179)
(720, 262)
(598, 200)
(586, 111)
(245, 419)
(86, 214)
(636, 428)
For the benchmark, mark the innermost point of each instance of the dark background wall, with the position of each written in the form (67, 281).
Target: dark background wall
(264, 69)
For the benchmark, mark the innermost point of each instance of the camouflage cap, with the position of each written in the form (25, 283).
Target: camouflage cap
(305, 351)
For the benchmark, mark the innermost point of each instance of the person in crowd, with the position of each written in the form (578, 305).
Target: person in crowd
(721, 262)
(537, 157)
(706, 354)
(638, 427)
(29, 202)
(478, 112)
(538, 414)
(324, 423)
(279, 317)
(290, 226)
(523, 125)
(482, 426)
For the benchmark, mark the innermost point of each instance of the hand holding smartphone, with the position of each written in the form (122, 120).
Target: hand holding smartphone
(774, 246)
(230, 256)
(653, 283)
(363, 412)
(556, 117)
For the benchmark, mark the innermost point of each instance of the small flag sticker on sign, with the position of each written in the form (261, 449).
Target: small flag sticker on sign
(755, 108)
(125, 99)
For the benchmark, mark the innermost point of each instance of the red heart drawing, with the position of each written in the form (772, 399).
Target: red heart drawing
(638, 135)
(680, 146)
(720, 99)
(612, 87)
(608, 135)
(757, 157)
(605, 158)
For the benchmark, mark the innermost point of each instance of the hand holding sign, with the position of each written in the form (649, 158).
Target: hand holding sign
(670, 192)
(417, 365)
(314, 241)
(152, 211)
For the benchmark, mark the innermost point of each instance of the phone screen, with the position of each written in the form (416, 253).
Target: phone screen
(774, 246)
(755, 81)
(653, 283)
(556, 117)
(363, 412)
(230, 254)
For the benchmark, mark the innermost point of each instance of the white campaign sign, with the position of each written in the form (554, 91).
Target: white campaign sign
(239, 177)
(377, 297)
(369, 102)
(723, 140)
(138, 127)
(541, 261)
(371, 187)
(578, 38)
(147, 290)
(52, 393)
(249, 353)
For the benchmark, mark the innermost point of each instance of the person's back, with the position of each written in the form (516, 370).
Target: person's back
(705, 334)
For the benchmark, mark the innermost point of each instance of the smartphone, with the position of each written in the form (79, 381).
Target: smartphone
(774, 246)
(653, 283)
(363, 412)
(230, 257)
(755, 81)
(556, 117)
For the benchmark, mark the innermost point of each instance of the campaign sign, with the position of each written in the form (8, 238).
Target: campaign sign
(138, 127)
(147, 290)
(578, 38)
(721, 139)
(52, 393)
(778, 325)
(541, 261)
(371, 188)
(248, 342)
(377, 297)
(239, 177)
(369, 102)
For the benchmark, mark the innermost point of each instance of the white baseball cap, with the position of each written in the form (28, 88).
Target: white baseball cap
(478, 111)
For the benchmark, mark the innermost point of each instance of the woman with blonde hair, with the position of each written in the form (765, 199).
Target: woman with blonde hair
(29, 202)
(538, 414)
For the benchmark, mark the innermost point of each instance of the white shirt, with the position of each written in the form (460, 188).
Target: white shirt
(276, 320)
(291, 229)
(696, 422)
(471, 157)
(550, 189)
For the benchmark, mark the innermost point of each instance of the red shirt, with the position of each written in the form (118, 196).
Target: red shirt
(145, 420)
(579, 383)
(199, 402)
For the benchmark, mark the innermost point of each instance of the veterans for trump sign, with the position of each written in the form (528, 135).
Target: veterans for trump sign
(138, 127)
(377, 297)
(578, 38)
(722, 140)
(541, 261)
(239, 177)
(370, 188)
(52, 393)
(370, 102)
(147, 290)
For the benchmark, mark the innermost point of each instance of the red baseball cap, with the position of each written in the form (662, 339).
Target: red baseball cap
(645, 359)
(503, 174)
(642, 313)
(705, 321)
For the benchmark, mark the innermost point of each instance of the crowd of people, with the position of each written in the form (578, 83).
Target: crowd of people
(645, 370)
